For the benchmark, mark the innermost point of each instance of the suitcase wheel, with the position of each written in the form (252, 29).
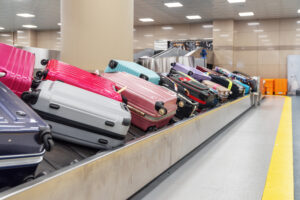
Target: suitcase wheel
(113, 64)
(28, 178)
(44, 62)
(190, 73)
(152, 129)
(173, 64)
(35, 83)
(172, 71)
(30, 97)
(48, 141)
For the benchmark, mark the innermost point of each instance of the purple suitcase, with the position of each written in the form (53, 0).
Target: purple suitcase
(193, 72)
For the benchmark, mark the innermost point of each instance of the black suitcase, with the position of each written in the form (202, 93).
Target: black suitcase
(225, 82)
(196, 90)
(24, 137)
(186, 106)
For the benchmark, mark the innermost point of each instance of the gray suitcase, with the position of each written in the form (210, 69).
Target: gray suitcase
(80, 116)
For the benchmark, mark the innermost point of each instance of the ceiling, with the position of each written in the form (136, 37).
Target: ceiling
(212, 9)
(48, 11)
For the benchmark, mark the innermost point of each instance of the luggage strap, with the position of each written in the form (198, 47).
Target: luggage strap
(230, 84)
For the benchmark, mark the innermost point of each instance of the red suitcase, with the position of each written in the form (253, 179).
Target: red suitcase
(151, 106)
(59, 71)
(204, 69)
(16, 68)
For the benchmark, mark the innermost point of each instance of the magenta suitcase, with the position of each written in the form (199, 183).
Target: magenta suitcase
(60, 71)
(16, 68)
(151, 106)
(193, 72)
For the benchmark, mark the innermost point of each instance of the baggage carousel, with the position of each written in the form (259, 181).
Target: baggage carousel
(74, 172)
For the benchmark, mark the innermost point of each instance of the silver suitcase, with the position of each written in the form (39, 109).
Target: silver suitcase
(80, 116)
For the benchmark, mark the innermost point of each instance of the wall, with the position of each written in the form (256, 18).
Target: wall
(263, 49)
(257, 50)
(144, 36)
(49, 39)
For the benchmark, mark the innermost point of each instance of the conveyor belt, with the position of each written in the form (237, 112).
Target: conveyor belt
(120, 173)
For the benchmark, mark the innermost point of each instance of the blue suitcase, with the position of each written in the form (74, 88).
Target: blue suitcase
(134, 69)
(247, 87)
(24, 137)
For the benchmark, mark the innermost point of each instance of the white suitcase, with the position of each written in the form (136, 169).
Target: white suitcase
(80, 116)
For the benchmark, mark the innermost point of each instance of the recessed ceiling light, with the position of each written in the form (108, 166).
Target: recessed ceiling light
(20, 31)
(193, 17)
(26, 15)
(298, 22)
(236, 1)
(246, 14)
(148, 35)
(208, 26)
(173, 4)
(146, 19)
(2, 28)
(298, 11)
(21, 37)
(258, 31)
(29, 26)
(167, 27)
(253, 23)
(216, 29)
(59, 23)
(262, 36)
(297, 35)
(5, 35)
(298, 29)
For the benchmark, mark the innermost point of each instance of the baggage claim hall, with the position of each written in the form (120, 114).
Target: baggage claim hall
(150, 99)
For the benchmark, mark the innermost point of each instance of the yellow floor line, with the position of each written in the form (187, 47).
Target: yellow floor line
(280, 179)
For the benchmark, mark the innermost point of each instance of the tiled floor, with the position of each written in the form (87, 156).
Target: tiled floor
(232, 166)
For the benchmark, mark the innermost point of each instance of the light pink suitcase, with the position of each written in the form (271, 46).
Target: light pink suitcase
(16, 68)
(151, 106)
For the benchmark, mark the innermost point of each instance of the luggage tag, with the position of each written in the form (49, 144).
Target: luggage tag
(122, 90)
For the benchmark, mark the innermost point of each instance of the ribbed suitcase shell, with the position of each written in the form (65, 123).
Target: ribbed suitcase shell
(21, 142)
(134, 69)
(18, 66)
(193, 72)
(142, 97)
(246, 87)
(80, 116)
(223, 92)
(60, 71)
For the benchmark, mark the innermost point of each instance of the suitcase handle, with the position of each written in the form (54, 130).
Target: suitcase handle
(2, 74)
(122, 90)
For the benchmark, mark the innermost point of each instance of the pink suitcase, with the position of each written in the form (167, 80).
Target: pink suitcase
(16, 68)
(151, 106)
(60, 71)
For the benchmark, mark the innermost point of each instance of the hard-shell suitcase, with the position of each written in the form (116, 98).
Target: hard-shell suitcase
(223, 92)
(193, 72)
(152, 106)
(186, 106)
(60, 71)
(80, 116)
(227, 83)
(132, 68)
(224, 72)
(196, 91)
(250, 81)
(206, 70)
(16, 68)
(24, 137)
(245, 86)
